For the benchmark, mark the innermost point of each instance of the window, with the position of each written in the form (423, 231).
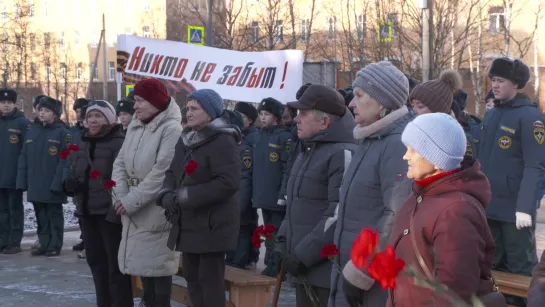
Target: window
(279, 31)
(47, 39)
(47, 72)
(360, 27)
(76, 38)
(195, 5)
(18, 40)
(304, 30)
(63, 71)
(146, 6)
(392, 18)
(46, 9)
(111, 71)
(254, 31)
(5, 41)
(4, 12)
(33, 71)
(128, 31)
(331, 22)
(30, 9)
(95, 72)
(94, 41)
(17, 11)
(79, 71)
(496, 19)
(61, 41)
(147, 32)
(32, 39)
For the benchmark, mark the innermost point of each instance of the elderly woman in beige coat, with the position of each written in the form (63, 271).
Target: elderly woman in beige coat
(139, 171)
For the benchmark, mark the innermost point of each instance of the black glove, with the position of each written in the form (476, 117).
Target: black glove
(172, 217)
(71, 185)
(294, 266)
(353, 294)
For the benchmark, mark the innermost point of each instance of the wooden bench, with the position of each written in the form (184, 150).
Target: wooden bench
(512, 284)
(245, 288)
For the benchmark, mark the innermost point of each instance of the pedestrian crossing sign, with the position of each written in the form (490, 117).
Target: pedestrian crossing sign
(385, 33)
(195, 35)
(128, 89)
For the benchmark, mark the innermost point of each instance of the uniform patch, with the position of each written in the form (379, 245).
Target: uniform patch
(273, 156)
(399, 176)
(28, 141)
(14, 139)
(505, 142)
(14, 130)
(288, 145)
(247, 159)
(28, 126)
(539, 135)
(507, 129)
(68, 140)
(469, 150)
(52, 151)
(539, 124)
(274, 145)
(54, 141)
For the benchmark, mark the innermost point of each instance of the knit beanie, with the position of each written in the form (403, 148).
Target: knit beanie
(103, 107)
(154, 92)
(247, 109)
(209, 100)
(438, 138)
(384, 83)
(438, 94)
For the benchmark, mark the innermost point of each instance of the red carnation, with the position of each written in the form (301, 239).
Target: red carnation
(95, 174)
(109, 184)
(363, 247)
(73, 147)
(385, 267)
(259, 230)
(64, 154)
(191, 167)
(256, 241)
(268, 230)
(330, 250)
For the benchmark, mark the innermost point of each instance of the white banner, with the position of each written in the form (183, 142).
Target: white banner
(235, 75)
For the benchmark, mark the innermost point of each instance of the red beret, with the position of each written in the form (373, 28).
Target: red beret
(154, 91)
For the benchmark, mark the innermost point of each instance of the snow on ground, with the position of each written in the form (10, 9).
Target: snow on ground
(68, 210)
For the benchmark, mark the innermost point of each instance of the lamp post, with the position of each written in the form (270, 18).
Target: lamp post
(208, 36)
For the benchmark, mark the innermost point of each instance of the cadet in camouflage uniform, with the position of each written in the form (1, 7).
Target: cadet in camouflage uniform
(13, 126)
(271, 152)
(40, 172)
(512, 154)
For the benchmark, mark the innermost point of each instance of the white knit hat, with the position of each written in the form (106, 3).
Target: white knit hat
(438, 138)
(104, 107)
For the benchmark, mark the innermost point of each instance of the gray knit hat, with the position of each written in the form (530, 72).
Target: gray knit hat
(385, 83)
(438, 138)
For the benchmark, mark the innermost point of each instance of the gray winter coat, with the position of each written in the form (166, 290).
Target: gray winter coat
(313, 194)
(374, 187)
(12, 137)
(271, 153)
(512, 155)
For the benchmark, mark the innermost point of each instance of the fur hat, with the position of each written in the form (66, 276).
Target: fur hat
(51, 104)
(301, 90)
(80, 102)
(489, 95)
(234, 118)
(37, 100)
(515, 71)
(7, 94)
(124, 105)
(247, 109)
(348, 94)
(272, 106)
(438, 94)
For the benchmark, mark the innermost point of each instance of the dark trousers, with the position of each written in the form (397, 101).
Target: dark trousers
(302, 298)
(205, 274)
(244, 253)
(102, 238)
(157, 291)
(81, 229)
(50, 226)
(275, 218)
(515, 252)
(11, 218)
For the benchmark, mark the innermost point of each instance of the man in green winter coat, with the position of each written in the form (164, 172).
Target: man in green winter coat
(40, 171)
(512, 155)
(271, 153)
(13, 126)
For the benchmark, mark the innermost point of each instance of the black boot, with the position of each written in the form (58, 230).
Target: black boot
(162, 301)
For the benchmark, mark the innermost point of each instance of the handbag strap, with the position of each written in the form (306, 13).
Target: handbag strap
(473, 201)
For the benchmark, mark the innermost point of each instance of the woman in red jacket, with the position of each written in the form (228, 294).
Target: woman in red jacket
(443, 220)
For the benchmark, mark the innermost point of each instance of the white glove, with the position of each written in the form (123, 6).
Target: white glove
(523, 220)
(281, 202)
